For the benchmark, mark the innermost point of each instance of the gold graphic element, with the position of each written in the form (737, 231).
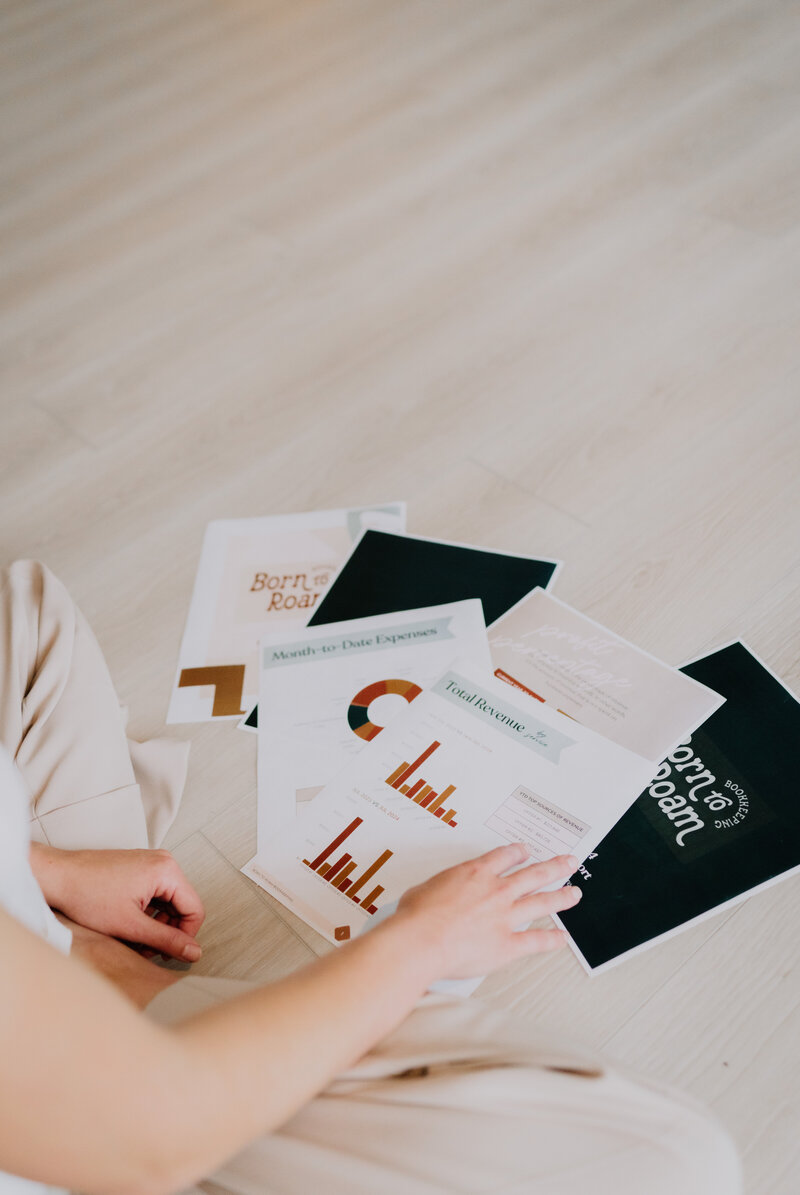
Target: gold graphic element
(228, 682)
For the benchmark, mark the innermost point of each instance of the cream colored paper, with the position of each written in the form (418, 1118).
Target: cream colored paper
(254, 576)
(584, 670)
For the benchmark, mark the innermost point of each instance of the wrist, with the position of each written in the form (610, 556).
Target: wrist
(415, 939)
(141, 981)
(51, 868)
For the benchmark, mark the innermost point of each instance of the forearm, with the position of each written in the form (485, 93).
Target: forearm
(51, 868)
(276, 1047)
(135, 1110)
(131, 1109)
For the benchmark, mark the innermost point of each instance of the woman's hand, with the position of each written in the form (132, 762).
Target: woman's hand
(473, 915)
(142, 897)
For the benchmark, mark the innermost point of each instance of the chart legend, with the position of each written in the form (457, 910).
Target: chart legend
(340, 874)
(420, 792)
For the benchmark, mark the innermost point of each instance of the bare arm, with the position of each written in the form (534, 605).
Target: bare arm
(126, 1107)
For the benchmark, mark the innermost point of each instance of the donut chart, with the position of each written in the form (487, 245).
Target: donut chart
(357, 713)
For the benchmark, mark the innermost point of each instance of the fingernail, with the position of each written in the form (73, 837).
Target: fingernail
(572, 862)
(191, 952)
(577, 893)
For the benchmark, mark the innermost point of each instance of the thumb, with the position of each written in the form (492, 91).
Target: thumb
(166, 939)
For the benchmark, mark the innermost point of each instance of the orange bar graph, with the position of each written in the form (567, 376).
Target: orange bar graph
(341, 880)
(339, 874)
(421, 793)
(331, 872)
(397, 773)
(369, 873)
(442, 797)
(320, 859)
(411, 768)
(369, 901)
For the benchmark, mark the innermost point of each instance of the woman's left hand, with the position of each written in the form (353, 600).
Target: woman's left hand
(142, 897)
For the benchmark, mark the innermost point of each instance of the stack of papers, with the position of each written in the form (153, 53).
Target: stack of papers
(397, 735)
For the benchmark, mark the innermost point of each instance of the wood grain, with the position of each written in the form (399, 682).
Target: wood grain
(531, 264)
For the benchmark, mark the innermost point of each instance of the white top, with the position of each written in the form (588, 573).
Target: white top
(22, 897)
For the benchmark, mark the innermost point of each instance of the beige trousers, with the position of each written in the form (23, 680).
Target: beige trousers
(458, 1099)
(61, 721)
(464, 1099)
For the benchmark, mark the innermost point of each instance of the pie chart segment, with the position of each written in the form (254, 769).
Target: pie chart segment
(358, 710)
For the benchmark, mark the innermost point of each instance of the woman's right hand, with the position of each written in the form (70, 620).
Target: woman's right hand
(472, 915)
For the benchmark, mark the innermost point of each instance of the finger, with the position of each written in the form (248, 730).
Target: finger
(539, 941)
(158, 913)
(502, 858)
(170, 917)
(166, 939)
(174, 889)
(161, 913)
(529, 908)
(144, 951)
(166, 918)
(541, 875)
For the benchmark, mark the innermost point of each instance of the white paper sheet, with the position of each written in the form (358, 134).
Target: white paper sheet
(257, 575)
(500, 766)
(557, 654)
(328, 691)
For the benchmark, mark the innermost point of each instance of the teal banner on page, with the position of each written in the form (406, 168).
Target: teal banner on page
(519, 726)
(433, 630)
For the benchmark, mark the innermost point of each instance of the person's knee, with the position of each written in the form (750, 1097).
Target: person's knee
(24, 571)
(25, 581)
(691, 1153)
(705, 1160)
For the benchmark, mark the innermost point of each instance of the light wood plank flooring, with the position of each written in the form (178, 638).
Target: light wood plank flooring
(532, 264)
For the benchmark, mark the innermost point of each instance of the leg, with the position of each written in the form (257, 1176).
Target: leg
(460, 1099)
(61, 721)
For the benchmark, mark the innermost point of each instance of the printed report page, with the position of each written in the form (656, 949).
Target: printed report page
(469, 766)
(257, 575)
(328, 691)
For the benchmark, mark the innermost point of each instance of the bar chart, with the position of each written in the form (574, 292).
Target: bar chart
(419, 791)
(340, 873)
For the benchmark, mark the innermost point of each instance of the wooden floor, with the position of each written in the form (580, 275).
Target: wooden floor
(532, 264)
